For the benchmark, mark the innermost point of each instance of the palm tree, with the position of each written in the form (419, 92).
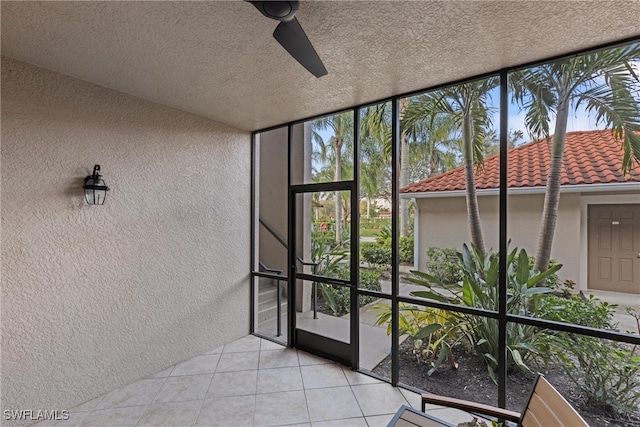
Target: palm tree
(606, 83)
(341, 127)
(417, 141)
(431, 143)
(467, 105)
(377, 122)
(375, 137)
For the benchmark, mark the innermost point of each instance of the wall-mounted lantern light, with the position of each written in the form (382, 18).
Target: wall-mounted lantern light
(95, 189)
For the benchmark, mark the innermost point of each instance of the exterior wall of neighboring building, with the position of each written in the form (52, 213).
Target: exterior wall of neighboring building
(95, 297)
(272, 200)
(443, 223)
(272, 196)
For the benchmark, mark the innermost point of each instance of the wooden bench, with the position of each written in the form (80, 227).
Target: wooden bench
(409, 417)
(546, 407)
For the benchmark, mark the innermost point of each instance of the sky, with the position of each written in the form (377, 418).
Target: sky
(579, 119)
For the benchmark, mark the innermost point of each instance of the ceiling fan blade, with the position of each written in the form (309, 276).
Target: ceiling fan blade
(292, 37)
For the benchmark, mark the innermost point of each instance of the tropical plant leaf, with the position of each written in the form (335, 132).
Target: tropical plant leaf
(536, 291)
(490, 357)
(522, 271)
(467, 260)
(427, 330)
(541, 276)
(477, 291)
(492, 273)
(442, 354)
(492, 374)
(431, 295)
(517, 358)
(430, 278)
(467, 292)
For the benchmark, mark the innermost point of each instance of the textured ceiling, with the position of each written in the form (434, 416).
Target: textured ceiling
(219, 60)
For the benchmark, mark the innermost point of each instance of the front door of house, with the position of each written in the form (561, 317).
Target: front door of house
(323, 270)
(614, 248)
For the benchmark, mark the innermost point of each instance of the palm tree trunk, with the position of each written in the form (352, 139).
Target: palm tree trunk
(404, 173)
(552, 192)
(404, 181)
(432, 159)
(473, 210)
(338, 177)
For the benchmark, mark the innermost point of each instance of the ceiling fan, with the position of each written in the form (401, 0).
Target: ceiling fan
(290, 34)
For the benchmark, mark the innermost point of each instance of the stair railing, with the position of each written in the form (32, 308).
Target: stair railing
(266, 269)
(314, 266)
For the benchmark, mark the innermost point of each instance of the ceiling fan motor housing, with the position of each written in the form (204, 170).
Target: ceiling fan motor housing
(283, 11)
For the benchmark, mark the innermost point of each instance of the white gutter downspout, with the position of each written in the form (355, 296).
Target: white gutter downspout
(416, 235)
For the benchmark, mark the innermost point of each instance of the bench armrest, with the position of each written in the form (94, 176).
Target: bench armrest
(468, 406)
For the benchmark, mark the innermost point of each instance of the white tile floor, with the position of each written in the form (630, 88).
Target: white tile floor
(251, 382)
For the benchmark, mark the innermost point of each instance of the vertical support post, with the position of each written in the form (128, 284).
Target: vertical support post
(395, 274)
(291, 221)
(502, 277)
(355, 243)
(252, 291)
(315, 293)
(279, 309)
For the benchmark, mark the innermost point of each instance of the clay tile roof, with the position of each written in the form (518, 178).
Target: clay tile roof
(590, 157)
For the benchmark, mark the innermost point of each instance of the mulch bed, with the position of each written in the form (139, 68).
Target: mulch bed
(471, 381)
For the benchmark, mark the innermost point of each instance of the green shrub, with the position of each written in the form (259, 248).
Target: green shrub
(406, 249)
(374, 224)
(586, 312)
(384, 236)
(479, 288)
(338, 298)
(383, 241)
(325, 254)
(551, 281)
(434, 332)
(607, 374)
(324, 240)
(366, 246)
(369, 280)
(376, 255)
(444, 264)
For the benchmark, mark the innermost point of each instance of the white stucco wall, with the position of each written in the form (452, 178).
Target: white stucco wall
(94, 297)
(443, 223)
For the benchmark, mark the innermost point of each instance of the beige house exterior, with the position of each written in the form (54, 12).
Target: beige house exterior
(441, 215)
(442, 222)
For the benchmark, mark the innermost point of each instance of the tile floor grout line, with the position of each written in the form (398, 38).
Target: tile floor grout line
(304, 388)
(90, 412)
(255, 396)
(153, 398)
(358, 402)
(306, 403)
(209, 387)
(94, 407)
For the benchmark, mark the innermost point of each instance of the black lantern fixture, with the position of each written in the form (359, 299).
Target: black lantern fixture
(95, 189)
